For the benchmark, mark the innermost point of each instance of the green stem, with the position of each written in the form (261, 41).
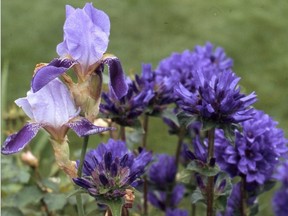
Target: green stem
(79, 174)
(210, 185)
(193, 212)
(243, 203)
(144, 145)
(179, 145)
(115, 206)
(122, 133)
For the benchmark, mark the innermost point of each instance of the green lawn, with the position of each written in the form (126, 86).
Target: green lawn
(253, 33)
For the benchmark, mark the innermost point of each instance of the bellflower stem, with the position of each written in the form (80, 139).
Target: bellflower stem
(210, 185)
(243, 202)
(122, 133)
(179, 145)
(79, 174)
(144, 145)
(193, 211)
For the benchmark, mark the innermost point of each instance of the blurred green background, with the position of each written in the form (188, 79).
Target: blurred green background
(253, 33)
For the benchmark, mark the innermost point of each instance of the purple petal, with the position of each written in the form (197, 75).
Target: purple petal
(83, 127)
(17, 141)
(117, 78)
(49, 72)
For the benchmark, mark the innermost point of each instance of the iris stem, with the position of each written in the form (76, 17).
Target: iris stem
(144, 145)
(210, 185)
(79, 174)
(243, 202)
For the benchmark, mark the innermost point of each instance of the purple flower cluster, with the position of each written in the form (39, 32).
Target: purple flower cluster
(280, 198)
(166, 194)
(256, 151)
(180, 67)
(126, 110)
(217, 98)
(111, 168)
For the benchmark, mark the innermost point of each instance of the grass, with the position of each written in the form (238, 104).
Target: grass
(254, 34)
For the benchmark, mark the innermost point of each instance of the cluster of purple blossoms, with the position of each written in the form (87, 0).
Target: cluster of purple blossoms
(280, 198)
(126, 110)
(256, 151)
(234, 202)
(217, 98)
(180, 67)
(111, 169)
(165, 195)
(147, 82)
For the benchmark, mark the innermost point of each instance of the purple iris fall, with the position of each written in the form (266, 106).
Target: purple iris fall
(280, 198)
(111, 169)
(166, 194)
(257, 149)
(53, 109)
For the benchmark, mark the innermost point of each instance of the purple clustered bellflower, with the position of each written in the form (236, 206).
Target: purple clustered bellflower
(257, 149)
(161, 175)
(126, 110)
(86, 36)
(280, 198)
(111, 168)
(147, 82)
(180, 67)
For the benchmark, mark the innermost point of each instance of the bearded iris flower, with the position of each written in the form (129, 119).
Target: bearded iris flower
(86, 36)
(111, 169)
(52, 110)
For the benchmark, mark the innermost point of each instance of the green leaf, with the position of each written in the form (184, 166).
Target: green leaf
(11, 211)
(28, 195)
(75, 192)
(185, 119)
(55, 201)
(169, 114)
(197, 196)
(202, 168)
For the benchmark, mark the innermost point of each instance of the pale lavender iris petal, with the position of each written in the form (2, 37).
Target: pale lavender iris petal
(25, 105)
(49, 72)
(52, 105)
(117, 79)
(86, 33)
(83, 127)
(17, 141)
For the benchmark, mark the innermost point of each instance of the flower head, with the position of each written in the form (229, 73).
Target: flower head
(126, 110)
(176, 212)
(257, 149)
(180, 67)
(53, 109)
(217, 98)
(280, 201)
(160, 175)
(111, 168)
(159, 198)
(86, 35)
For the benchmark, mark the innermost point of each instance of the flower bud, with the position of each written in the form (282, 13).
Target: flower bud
(29, 159)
